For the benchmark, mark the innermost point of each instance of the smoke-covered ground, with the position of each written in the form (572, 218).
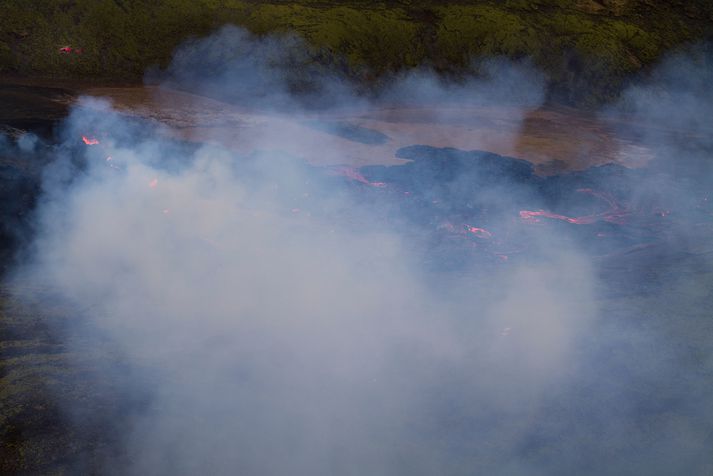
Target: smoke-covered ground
(458, 314)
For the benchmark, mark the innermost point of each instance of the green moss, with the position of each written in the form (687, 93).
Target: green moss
(580, 44)
(482, 30)
(7, 59)
(379, 40)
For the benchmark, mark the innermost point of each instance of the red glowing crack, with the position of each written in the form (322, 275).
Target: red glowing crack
(65, 50)
(479, 232)
(615, 214)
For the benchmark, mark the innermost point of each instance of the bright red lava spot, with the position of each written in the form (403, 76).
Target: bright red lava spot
(89, 141)
(65, 50)
(479, 232)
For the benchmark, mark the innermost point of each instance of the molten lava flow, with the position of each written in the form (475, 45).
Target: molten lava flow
(153, 183)
(354, 174)
(89, 141)
(615, 214)
(531, 217)
(65, 50)
(479, 232)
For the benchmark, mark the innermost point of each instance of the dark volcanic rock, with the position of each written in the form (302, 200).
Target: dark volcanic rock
(32, 108)
(34, 111)
(19, 189)
(460, 179)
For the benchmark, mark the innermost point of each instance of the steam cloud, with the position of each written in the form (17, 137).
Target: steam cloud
(318, 341)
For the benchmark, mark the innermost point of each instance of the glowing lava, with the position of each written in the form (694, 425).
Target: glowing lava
(479, 232)
(614, 214)
(531, 216)
(90, 141)
(153, 183)
(65, 50)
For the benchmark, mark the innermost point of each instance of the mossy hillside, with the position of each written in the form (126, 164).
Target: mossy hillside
(581, 44)
(375, 40)
(587, 56)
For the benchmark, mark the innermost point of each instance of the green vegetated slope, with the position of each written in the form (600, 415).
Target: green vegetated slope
(588, 47)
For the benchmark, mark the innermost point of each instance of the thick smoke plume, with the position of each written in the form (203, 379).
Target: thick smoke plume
(282, 324)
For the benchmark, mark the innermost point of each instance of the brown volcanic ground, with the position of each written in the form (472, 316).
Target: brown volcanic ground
(553, 138)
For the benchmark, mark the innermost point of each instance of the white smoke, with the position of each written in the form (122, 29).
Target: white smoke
(288, 342)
